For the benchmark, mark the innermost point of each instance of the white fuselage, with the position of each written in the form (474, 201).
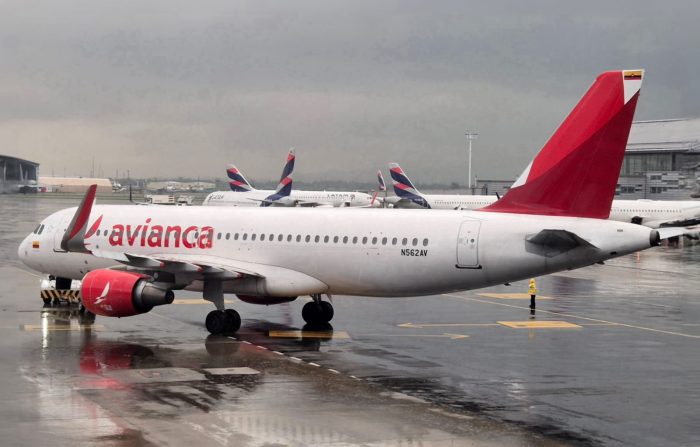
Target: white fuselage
(382, 253)
(321, 198)
(650, 213)
(449, 201)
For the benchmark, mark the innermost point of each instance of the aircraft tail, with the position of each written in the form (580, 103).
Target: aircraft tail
(576, 171)
(237, 182)
(284, 188)
(403, 187)
(380, 180)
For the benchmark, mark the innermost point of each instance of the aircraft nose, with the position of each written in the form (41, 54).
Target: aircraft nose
(23, 249)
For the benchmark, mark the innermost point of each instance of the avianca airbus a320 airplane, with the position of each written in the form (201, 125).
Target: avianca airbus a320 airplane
(132, 258)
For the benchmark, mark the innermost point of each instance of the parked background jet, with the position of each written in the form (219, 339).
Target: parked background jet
(244, 194)
(650, 213)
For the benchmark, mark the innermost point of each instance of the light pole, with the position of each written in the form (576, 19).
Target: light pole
(470, 136)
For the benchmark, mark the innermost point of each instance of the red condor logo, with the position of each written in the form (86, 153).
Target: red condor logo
(146, 235)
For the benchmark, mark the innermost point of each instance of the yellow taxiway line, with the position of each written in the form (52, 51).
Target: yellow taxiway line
(568, 315)
(309, 334)
(513, 296)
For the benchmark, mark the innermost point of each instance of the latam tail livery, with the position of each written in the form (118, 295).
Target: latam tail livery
(244, 194)
(132, 258)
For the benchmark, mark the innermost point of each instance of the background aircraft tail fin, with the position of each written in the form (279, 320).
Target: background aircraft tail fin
(284, 188)
(576, 172)
(237, 182)
(403, 187)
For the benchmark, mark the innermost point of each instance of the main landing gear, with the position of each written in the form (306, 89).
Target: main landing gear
(221, 320)
(317, 312)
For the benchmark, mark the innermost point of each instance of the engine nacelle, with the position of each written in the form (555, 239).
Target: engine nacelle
(265, 300)
(122, 294)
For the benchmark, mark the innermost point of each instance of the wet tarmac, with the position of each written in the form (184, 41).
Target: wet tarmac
(610, 357)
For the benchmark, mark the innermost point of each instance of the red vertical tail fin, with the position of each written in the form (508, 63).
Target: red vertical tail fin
(576, 172)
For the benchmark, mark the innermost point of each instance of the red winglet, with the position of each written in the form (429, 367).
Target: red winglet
(74, 237)
(576, 172)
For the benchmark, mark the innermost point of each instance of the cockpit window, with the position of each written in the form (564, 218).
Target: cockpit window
(36, 230)
(40, 229)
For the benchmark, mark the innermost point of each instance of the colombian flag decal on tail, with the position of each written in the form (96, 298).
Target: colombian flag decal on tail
(634, 74)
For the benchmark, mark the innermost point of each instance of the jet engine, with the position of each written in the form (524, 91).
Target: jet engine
(265, 300)
(122, 294)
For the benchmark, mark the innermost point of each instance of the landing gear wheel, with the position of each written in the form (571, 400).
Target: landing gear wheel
(327, 310)
(233, 321)
(216, 322)
(47, 301)
(317, 313)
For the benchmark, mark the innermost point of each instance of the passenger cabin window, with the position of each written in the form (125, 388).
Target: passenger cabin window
(345, 240)
(289, 238)
(404, 242)
(364, 240)
(415, 241)
(279, 238)
(298, 237)
(374, 241)
(354, 240)
(253, 236)
(245, 236)
(425, 242)
(317, 239)
(384, 241)
(308, 238)
(394, 241)
(262, 237)
(335, 239)
(326, 239)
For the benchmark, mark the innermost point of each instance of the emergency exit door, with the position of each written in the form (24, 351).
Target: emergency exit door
(468, 244)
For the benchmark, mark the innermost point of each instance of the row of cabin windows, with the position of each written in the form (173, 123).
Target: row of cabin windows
(317, 239)
(326, 239)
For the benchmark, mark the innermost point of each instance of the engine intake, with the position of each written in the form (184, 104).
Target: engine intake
(122, 294)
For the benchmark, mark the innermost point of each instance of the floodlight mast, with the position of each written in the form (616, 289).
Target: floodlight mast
(470, 136)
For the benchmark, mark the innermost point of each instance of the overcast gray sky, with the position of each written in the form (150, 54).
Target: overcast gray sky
(171, 88)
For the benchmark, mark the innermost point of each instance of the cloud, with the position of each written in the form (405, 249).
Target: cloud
(176, 88)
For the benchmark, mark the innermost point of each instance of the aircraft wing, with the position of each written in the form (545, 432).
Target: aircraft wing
(191, 265)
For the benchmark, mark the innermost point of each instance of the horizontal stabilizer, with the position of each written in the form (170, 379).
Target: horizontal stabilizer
(668, 232)
(559, 239)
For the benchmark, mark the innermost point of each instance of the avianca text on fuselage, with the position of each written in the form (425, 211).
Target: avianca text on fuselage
(146, 235)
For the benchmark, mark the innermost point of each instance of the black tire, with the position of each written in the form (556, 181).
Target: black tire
(216, 322)
(63, 283)
(233, 321)
(311, 313)
(47, 301)
(327, 311)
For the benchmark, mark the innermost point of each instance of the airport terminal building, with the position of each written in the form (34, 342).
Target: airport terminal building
(15, 173)
(662, 161)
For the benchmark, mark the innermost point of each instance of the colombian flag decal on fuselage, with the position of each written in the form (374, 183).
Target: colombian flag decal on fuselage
(35, 244)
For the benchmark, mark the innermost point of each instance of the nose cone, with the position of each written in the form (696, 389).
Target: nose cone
(24, 247)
